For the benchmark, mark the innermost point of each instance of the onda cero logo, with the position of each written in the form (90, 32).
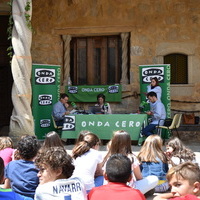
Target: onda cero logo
(69, 123)
(73, 89)
(150, 72)
(113, 89)
(45, 76)
(44, 123)
(45, 99)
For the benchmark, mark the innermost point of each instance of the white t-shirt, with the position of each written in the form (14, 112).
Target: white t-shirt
(86, 165)
(61, 189)
(157, 90)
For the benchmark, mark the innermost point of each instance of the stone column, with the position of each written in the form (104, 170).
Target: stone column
(124, 78)
(21, 121)
(66, 64)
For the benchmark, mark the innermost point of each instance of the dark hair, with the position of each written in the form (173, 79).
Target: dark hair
(52, 139)
(55, 157)
(118, 168)
(101, 96)
(151, 94)
(1, 170)
(63, 95)
(28, 147)
(89, 141)
(156, 80)
(81, 135)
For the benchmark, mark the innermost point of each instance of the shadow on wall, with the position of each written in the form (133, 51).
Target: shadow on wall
(4, 130)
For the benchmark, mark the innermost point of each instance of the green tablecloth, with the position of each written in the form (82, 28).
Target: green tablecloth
(104, 125)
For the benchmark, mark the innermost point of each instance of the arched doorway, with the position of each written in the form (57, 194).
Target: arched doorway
(6, 80)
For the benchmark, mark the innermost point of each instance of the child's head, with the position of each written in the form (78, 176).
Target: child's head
(5, 142)
(81, 135)
(28, 147)
(176, 148)
(1, 170)
(174, 145)
(89, 141)
(120, 143)
(118, 169)
(52, 139)
(54, 163)
(184, 179)
(154, 142)
(152, 150)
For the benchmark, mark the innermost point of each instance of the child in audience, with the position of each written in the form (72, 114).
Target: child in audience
(55, 169)
(177, 153)
(153, 160)
(52, 139)
(6, 149)
(81, 135)
(87, 160)
(184, 180)
(7, 193)
(21, 175)
(118, 172)
(121, 143)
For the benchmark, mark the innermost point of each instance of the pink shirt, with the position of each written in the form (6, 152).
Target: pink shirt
(6, 155)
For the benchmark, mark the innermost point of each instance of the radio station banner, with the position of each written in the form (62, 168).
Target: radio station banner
(45, 93)
(162, 72)
(88, 93)
(104, 125)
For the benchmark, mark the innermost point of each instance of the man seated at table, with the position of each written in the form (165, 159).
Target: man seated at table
(60, 109)
(157, 112)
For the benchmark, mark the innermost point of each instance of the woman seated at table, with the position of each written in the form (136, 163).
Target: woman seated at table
(105, 107)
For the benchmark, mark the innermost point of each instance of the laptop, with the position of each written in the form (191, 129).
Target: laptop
(94, 109)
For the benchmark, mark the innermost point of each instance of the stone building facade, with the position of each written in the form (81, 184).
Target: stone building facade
(156, 28)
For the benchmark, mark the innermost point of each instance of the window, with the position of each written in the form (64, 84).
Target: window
(96, 60)
(179, 68)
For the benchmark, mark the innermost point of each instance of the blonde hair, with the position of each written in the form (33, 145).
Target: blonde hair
(152, 150)
(5, 142)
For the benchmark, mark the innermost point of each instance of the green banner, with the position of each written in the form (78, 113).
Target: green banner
(104, 125)
(88, 93)
(46, 91)
(162, 72)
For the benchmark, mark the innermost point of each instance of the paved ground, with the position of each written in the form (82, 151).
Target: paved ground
(195, 146)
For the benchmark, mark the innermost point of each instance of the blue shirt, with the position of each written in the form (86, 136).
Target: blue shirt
(158, 169)
(58, 111)
(8, 194)
(159, 112)
(23, 177)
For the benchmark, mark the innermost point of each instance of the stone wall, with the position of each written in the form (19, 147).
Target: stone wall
(156, 28)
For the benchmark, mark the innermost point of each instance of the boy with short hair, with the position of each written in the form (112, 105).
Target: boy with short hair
(184, 180)
(21, 175)
(7, 193)
(55, 169)
(118, 172)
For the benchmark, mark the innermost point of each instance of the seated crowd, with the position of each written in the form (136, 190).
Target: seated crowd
(49, 171)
